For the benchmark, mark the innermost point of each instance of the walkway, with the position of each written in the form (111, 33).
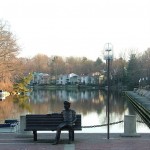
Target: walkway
(83, 141)
(143, 100)
(141, 105)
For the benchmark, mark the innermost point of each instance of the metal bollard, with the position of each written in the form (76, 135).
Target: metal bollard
(130, 126)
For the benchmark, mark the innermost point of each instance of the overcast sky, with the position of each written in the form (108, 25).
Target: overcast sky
(78, 27)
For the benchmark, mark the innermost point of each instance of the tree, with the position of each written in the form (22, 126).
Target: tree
(98, 65)
(119, 71)
(8, 52)
(40, 63)
(133, 72)
(87, 66)
(21, 86)
(145, 69)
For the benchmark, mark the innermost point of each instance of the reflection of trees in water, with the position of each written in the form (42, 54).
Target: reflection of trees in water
(51, 101)
(10, 109)
(22, 101)
(118, 105)
(44, 101)
(121, 104)
(6, 108)
(84, 101)
(130, 107)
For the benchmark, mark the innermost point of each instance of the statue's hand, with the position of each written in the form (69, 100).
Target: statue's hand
(71, 123)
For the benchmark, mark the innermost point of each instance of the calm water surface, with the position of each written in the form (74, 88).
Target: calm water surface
(90, 104)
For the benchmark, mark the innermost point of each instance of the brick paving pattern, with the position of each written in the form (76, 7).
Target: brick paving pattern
(83, 141)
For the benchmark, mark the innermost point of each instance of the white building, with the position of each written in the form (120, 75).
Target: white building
(87, 80)
(73, 78)
(62, 79)
(40, 78)
(68, 79)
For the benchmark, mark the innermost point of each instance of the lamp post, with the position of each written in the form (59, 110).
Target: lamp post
(108, 56)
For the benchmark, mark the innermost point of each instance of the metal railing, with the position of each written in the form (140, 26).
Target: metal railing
(95, 126)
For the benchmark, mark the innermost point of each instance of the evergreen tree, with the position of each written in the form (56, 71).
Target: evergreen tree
(133, 72)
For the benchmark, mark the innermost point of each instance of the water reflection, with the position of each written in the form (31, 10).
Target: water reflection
(9, 109)
(22, 101)
(83, 102)
(90, 104)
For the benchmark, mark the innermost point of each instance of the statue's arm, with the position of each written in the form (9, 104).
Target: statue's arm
(74, 117)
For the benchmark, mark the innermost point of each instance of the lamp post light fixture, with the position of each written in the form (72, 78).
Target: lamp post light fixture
(108, 56)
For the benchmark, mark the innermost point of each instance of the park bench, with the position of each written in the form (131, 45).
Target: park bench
(47, 122)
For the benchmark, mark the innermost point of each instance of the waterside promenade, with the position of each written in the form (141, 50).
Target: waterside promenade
(140, 99)
(83, 141)
(141, 96)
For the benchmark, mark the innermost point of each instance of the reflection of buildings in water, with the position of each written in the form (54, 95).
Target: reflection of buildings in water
(75, 95)
(62, 94)
(91, 104)
(39, 96)
(83, 101)
(82, 95)
(99, 98)
(85, 95)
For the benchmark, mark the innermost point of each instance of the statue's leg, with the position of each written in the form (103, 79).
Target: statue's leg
(58, 134)
(59, 128)
(71, 133)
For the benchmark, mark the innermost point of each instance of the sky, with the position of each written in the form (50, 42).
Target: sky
(79, 28)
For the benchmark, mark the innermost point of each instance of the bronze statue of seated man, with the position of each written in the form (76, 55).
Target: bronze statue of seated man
(69, 118)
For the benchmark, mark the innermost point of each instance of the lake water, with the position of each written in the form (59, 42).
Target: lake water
(90, 104)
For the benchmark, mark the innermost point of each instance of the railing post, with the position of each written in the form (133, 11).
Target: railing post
(130, 126)
(22, 126)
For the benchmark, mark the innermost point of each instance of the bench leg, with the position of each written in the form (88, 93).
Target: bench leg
(35, 135)
(72, 135)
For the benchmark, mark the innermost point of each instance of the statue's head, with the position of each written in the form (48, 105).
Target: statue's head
(67, 104)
